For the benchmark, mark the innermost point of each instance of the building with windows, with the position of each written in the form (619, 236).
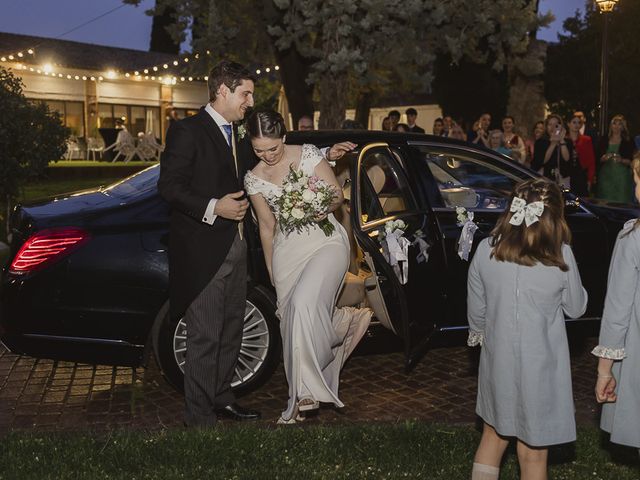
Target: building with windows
(92, 86)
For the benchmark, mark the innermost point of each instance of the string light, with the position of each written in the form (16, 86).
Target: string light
(169, 79)
(21, 54)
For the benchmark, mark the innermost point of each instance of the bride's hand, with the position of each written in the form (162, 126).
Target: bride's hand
(321, 217)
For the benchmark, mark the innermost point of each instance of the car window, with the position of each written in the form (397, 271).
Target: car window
(384, 190)
(466, 180)
(138, 183)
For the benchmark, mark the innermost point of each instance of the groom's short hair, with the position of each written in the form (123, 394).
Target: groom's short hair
(230, 73)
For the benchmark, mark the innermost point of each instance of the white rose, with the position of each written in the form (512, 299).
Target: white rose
(285, 215)
(288, 188)
(297, 213)
(308, 196)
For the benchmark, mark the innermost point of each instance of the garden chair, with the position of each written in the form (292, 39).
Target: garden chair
(94, 146)
(124, 145)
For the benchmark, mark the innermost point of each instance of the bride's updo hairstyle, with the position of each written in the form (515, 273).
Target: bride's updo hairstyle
(266, 124)
(541, 241)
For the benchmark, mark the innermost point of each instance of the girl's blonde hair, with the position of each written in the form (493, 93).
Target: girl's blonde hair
(625, 131)
(540, 242)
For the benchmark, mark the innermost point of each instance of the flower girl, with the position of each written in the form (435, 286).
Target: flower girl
(522, 281)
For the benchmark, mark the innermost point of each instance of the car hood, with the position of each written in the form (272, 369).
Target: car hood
(611, 211)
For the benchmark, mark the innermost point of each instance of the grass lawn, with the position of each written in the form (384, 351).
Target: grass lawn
(408, 450)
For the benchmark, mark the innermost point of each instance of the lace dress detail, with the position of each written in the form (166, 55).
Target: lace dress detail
(475, 339)
(610, 353)
(309, 158)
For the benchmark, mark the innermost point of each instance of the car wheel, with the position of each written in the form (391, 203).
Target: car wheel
(259, 353)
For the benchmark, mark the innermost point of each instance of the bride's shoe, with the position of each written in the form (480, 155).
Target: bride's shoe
(308, 404)
(295, 418)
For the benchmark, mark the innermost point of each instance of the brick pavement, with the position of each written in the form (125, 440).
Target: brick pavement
(50, 395)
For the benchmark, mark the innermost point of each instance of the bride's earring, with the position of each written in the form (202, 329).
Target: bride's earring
(284, 139)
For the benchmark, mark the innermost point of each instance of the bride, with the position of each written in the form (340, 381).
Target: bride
(307, 269)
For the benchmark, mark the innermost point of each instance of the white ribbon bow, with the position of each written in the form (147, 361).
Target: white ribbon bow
(395, 249)
(529, 212)
(465, 242)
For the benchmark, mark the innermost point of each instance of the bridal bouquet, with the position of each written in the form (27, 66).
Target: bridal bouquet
(302, 200)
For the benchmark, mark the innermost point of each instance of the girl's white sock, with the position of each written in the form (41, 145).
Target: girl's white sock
(484, 472)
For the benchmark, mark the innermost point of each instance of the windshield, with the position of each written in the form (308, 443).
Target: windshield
(136, 184)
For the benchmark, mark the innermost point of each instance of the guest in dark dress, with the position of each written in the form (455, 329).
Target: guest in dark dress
(552, 152)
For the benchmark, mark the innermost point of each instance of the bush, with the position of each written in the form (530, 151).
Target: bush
(30, 136)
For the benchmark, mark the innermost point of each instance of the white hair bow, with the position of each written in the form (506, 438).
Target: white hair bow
(529, 212)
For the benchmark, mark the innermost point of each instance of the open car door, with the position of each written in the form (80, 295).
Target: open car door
(380, 193)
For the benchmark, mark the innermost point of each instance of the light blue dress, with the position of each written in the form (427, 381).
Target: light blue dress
(517, 313)
(620, 338)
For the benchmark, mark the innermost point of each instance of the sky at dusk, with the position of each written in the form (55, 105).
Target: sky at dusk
(130, 27)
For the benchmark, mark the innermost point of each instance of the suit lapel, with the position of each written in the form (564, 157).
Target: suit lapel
(217, 137)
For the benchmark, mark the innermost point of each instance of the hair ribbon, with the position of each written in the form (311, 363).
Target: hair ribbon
(529, 212)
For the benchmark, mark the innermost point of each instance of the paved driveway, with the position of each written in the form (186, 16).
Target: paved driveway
(45, 394)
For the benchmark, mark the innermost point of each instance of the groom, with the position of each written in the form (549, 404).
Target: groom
(201, 178)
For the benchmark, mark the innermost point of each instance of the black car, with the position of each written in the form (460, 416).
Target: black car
(87, 278)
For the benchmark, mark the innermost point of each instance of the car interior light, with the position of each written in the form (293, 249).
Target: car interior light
(46, 246)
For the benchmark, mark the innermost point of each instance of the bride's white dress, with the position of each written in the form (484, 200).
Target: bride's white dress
(308, 270)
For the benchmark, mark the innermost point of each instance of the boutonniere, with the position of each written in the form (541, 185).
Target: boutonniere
(242, 131)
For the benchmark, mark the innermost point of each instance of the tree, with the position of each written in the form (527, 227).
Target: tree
(361, 43)
(356, 48)
(572, 76)
(30, 136)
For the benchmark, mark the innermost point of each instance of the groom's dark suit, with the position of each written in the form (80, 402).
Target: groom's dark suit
(207, 263)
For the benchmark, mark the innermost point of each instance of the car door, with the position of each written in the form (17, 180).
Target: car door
(381, 192)
(464, 177)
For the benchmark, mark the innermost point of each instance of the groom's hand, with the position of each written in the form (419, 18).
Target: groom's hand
(339, 149)
(232, 206)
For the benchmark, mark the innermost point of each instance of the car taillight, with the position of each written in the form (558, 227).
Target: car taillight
(46, 246)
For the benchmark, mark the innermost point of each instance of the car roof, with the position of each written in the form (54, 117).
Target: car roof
(324, 138)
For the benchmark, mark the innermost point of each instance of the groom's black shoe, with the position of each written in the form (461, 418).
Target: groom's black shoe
(236, 412)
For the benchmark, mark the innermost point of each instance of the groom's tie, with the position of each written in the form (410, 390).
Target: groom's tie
(227, 130)
(229, 133)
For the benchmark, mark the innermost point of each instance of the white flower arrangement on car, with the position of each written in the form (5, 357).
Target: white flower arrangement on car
(303, 201)
(469, 227)
(395, 248)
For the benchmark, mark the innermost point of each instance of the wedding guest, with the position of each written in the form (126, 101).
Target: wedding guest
(496, 142)
(402, 127)
(522, 282)
(481, 132)
(584, 151)
(615, 152)
(513, 141)
(552, 152)
(394, 119)
(305, 123)
(412, 114)
(438, 127)
(457, 132)
(537, 132)
(386, 124)
(448, 124)
(619, 343)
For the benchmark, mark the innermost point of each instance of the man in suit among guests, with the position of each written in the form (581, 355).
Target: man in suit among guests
(412, 114)
(201, 177)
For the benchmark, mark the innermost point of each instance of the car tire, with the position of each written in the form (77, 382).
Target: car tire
(259, 355)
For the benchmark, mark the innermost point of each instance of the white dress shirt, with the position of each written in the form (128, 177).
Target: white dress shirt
(209, 216)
